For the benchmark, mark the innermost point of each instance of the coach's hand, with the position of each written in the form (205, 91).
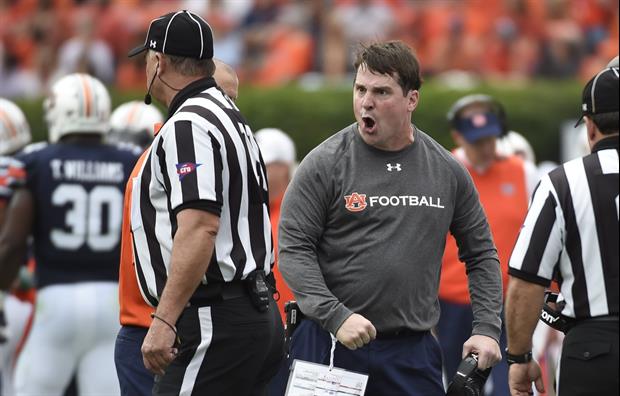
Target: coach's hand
(157, 349)
(356, 331)
(485, 347)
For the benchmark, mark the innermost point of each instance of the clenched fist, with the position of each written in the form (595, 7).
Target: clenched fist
(356, 331)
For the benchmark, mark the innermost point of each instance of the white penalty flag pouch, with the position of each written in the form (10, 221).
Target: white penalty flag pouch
(313, 379)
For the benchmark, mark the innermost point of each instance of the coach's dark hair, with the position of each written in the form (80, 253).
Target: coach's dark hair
(389, 58)
(607, 123)
(192, 67)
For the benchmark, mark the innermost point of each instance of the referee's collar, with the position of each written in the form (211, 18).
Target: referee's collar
(190, 90)
(606, 143)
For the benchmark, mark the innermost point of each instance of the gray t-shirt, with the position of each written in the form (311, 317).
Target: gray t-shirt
(363, 231)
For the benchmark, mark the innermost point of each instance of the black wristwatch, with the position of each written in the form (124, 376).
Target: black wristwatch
(518, 359)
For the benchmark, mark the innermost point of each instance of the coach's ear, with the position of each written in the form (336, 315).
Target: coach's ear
(414, 99)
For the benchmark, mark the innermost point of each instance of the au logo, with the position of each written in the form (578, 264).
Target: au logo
(479, 120)
(355, 202)
(508, 188)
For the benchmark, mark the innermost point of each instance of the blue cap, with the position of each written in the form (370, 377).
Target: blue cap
(478, 126)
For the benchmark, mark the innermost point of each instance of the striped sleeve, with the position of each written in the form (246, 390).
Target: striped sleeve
(540, 242)
(191, 162)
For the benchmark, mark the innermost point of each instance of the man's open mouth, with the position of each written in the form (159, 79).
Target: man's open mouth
(369, 123)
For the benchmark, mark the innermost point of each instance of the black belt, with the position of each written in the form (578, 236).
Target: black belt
(608, 318)
(402, 333)
(223, 291)
(597, 319)
(217, 292)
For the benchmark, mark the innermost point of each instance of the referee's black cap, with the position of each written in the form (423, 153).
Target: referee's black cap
(182, 33)
(600, 95)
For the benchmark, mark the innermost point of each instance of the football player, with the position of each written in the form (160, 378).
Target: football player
(71, 204)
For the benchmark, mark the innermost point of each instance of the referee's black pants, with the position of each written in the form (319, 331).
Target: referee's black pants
(228, 348)
(589, 362)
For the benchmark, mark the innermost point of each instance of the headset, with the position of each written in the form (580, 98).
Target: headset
(147, 98)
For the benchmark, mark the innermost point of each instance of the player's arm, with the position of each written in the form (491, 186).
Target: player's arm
(14, 236)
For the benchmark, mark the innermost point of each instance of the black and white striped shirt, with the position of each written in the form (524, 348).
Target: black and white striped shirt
(571, 233)
(204, 157)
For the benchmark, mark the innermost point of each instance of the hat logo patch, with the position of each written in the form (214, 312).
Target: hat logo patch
(185, 168)
(153, 43)
(479, 120)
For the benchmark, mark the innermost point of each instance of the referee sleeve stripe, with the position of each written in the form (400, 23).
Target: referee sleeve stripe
(528, 277)
(573, 242)
(540, 238)
(186, 158)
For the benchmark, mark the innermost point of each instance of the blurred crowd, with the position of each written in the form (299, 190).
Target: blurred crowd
(272, 42)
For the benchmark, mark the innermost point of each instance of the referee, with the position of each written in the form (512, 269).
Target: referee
(200, 227)
(571, 234)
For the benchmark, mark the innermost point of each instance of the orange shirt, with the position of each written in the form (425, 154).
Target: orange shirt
(134, 310)
(285, 293)
(504, 197)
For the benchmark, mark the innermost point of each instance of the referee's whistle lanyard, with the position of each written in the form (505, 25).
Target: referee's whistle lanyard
(331, 352)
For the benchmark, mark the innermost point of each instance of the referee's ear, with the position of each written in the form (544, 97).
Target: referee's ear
(162, 61)
(592, 131)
